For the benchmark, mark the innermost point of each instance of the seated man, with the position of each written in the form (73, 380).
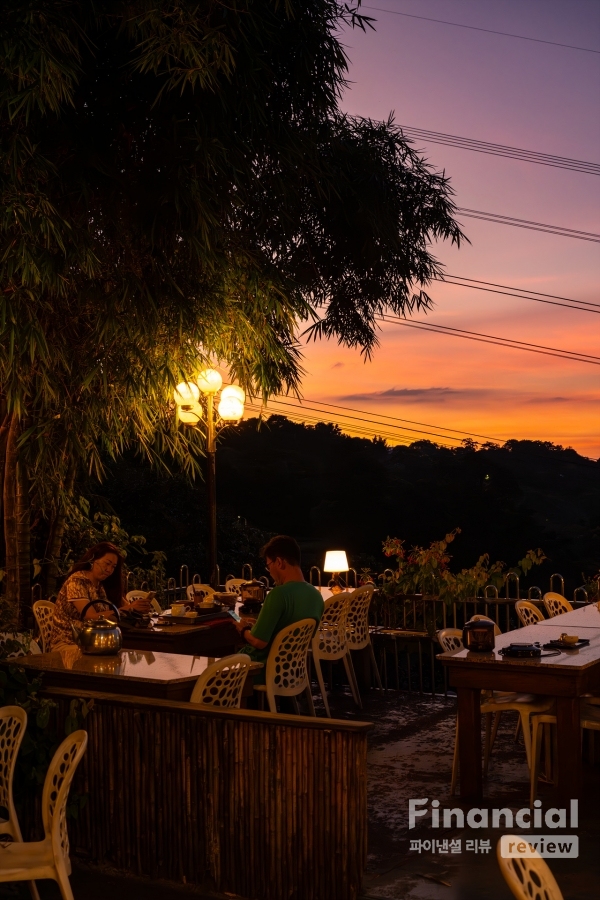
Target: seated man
(290, 600)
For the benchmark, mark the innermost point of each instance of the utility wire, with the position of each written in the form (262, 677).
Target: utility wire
(363, 417)
(493, 339)
(531, 226)
(519, 293)
(520, 37)
(533, 156)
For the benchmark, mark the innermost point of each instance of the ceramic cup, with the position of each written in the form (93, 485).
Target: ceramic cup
(178, 609)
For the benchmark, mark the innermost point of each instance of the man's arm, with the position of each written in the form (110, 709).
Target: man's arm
(245, 629)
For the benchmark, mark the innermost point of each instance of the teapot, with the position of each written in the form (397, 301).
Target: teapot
(252, 592)
(98, 637)
(479, 636)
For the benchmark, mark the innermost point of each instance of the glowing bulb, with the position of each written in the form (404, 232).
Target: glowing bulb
(234, 390)
(186, 392)
(190, 413)
(231, 409)
(209, 381)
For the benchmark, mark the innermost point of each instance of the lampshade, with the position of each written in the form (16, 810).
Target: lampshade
(209, 381)
(190, 413)
(186, 392)
(234, 390)
(335, 561)
(231, 409)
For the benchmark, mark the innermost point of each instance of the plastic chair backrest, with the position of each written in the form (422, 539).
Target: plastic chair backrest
(450, 639)
(56, 791)
(528, 613)
(358, 617)
(331, 640)
(287, 673)
(13, 722)
(481, 618)
(130, 596)
(197, 591)
(221, 684)
(232, 584)
(43, 611)
(528, 879)
(556, 604)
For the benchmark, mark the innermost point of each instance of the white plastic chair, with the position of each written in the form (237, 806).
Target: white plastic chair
(358, 632)
(589, 718)
(233, 584)
(34, 647)
(495, 704)
(49, 858)
(287, 670)
(198, 591)
(330, 643)
(528, 879)
(43, 610)
(13, 722)
(221, 684)
(556, 604)
(528, 612)
(130, 596)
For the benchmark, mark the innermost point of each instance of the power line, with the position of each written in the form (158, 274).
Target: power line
(531, 226)
(364, 417)
(502, 150)
(519, 293)
(493, 339)
(520, 37)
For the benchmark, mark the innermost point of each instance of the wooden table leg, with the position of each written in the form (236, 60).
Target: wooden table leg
(469, 743)
(568, 733)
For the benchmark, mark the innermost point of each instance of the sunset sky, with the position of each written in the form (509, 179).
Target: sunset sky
(508, 91)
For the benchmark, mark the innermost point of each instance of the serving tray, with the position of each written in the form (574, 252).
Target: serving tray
(559, 645)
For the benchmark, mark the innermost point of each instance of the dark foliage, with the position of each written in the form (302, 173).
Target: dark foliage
(329, 490)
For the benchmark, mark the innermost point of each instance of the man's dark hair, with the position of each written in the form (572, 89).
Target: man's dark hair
(284, 547)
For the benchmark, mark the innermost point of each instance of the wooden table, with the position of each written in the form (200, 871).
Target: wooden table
(565, 677)
(162, 676)
(219, 638)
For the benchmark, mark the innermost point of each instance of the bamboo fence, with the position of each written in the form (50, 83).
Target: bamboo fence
(254, 804)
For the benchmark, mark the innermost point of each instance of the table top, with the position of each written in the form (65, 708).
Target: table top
(542, 632)
(584, 617)
(133, 665)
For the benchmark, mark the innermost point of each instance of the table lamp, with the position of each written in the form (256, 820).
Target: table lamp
(336, 561)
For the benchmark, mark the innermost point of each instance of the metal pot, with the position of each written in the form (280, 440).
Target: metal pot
(252, 592)
(98, 637)
(479, 636)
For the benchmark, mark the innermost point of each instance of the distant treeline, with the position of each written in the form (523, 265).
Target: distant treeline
(334, 491)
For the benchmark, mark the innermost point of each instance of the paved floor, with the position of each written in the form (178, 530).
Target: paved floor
(410, 757)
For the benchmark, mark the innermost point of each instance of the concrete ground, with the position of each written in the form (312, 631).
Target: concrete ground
(410, 756)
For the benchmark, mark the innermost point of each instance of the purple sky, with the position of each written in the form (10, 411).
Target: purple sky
(507, 91)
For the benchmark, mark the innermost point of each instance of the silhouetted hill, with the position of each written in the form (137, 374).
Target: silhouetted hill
(331, 490)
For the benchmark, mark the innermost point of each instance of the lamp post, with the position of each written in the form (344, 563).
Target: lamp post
(190, 411)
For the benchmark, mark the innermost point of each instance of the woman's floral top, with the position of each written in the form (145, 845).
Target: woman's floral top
(76, 587)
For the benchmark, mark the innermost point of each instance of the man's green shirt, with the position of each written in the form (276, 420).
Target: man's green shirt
(284, 605)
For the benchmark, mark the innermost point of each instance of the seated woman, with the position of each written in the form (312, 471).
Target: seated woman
(96, 577)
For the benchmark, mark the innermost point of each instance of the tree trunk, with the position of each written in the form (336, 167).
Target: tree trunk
(23, 515)
(10, 515)
(55, 537)
(3, 438)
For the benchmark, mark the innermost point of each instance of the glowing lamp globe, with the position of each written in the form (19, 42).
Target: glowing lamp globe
(185, 393)
(335, 561)
(234, 390)
(190, 413)
(209, 381)
(231, 409)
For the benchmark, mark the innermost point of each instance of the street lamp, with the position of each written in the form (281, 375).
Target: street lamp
(190, 411)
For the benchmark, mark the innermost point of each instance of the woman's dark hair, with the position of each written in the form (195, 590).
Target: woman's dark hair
(284, 547)
(113, 585)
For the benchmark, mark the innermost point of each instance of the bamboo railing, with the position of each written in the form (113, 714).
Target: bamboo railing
(254, 804)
